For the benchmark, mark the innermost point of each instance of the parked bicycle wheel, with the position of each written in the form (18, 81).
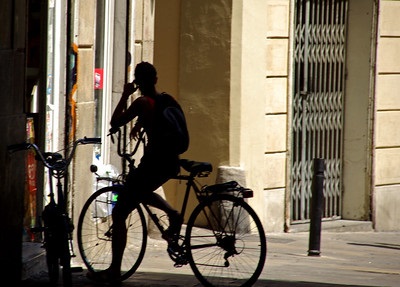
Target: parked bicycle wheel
(58, 254)
(95, 233)
(65, 257)
(52, 240)
(52, 262)
(226, 244)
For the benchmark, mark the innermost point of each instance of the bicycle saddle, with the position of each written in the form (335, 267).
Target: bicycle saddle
(196, 167)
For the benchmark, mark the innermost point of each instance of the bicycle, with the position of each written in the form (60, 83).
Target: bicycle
(224, 242)
(57, 226)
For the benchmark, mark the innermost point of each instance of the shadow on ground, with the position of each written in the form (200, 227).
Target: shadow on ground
(147, 279)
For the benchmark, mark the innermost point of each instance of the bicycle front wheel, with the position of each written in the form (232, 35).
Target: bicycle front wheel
(226, 243)
(95, 233)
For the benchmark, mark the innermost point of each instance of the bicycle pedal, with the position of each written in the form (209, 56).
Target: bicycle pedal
(180, 261)
(76, 269)
(173, 247)
(172, 250)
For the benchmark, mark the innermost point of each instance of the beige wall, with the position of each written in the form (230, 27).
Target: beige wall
(85, 106)
(386, 197)
(358, 111)
(232, 83)
(204, 79)
(166, 60)
(225, 71)
(228, 63)
(166, 47)
(192, 59)
(275, 96)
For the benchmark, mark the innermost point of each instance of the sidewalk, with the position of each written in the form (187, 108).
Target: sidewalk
(362, 258)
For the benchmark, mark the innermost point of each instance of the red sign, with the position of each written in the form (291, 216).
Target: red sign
(31, 179)
(98, 79)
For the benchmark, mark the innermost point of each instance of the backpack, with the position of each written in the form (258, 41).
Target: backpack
(172, 129)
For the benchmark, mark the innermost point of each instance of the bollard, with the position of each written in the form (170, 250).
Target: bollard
(317, 204)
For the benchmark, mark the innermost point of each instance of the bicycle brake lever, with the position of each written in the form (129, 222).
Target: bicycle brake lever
(18, 147)
(111, 133)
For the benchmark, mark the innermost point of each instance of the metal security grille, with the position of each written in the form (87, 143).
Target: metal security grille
(319, 67)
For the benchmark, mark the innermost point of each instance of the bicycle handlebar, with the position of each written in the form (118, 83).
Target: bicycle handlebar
(126, 156)
(18, 147)
(86, 140)
(53, 160)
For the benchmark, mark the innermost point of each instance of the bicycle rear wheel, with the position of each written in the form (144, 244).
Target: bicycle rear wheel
(226, 243)
(65, 261)
(95, 233)
(52, 240)
(58, 253)
(52, 261)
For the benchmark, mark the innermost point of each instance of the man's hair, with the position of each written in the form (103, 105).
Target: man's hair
(145, 72)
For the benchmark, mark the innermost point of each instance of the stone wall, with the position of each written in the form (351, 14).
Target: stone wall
(387, 110)
(276, 113)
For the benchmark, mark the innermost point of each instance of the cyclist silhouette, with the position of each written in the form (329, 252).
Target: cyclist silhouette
(157, 165)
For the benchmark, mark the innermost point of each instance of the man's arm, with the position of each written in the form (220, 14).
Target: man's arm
(121, 114)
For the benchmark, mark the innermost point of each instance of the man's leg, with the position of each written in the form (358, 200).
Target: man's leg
(175, 219)
(157, 201)
(113, 273)
(118, 240)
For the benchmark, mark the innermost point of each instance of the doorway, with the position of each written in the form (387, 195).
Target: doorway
(318, 95)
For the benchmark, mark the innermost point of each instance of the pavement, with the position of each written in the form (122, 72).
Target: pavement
(350, 255)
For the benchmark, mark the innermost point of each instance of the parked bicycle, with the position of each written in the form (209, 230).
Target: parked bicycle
(57, 226)
(223, 241)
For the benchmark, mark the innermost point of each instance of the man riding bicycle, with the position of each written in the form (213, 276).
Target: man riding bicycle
(157, 165)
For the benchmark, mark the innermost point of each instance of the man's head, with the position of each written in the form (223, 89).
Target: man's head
(145, 76)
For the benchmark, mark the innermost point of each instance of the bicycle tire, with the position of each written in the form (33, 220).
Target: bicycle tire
(52, 239)
(52, 261)
(94, 241)
(225, 241)
(65, 258)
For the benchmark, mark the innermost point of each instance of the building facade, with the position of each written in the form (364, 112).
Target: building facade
(276, 84)
(267, 86)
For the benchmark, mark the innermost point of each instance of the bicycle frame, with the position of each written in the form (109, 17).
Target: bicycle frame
(128, 157)
(189, 178)
(57, 227)
(56, 164)
(217, 240)
(189, 184)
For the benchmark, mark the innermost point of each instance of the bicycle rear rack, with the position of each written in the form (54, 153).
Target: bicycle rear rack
(231, 187)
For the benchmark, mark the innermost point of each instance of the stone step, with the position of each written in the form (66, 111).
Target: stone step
(336, 226)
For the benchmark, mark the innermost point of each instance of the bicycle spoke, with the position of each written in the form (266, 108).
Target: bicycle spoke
(226, 242)
(95, 234)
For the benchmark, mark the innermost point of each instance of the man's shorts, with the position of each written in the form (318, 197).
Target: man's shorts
(150, 174)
